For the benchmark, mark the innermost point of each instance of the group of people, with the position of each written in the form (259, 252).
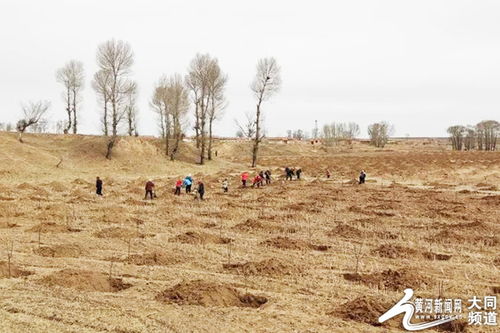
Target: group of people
(187, 183)
(261, 178)
(290, 172)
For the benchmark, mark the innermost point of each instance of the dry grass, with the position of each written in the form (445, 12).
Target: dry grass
(280, 258)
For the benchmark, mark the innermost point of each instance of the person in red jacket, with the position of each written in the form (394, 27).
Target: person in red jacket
(150, 186)
(178, 185)
(257, 181)
(244, 178)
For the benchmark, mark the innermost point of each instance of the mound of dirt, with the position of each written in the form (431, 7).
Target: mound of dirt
(345, 230)
(393, 251)
(26, 186)
(436, 256)
(156, 258)
(388, 279)
(79, 181)
(57, 186)
(248, 225)
(15, 271)
(7, 224)
(286, 243)
(364, 309)
(192, 237)
(205, 293)
(446, 236)
(84, 281)
(264, 267)
(46, 227)
(60, 251)
(492, 199)
(117, 232)
(496, 262)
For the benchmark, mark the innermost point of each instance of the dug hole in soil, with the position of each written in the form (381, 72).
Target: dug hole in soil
(204, 293)
(388, 279)
(264, 267)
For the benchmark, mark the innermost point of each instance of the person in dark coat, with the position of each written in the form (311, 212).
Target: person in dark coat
(298, 172)
(201, 189)
(98, 186)
(267, 175)
(149, 189)
(362, 177)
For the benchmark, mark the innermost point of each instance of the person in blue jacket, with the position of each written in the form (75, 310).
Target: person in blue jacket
(188, 182)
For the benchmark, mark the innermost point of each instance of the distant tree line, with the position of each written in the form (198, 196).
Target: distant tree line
(335, 132)
(482, 136)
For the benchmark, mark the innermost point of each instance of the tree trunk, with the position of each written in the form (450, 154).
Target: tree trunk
(74, 113)
(111, 144)
(210, 139)
(255, 149)
(68, 110)
(197, 125)
(105, 118)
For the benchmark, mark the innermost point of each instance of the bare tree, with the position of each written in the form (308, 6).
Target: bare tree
(202, 79)
(131, 110)
(470, 138)
(217, 83)
(160, 104)
(488, 132)
(178, 98)
(72, 76)
(266, 83)
(379, 133)
(101, 84)
(246, 129)
(32, 114)
(456, 136)
(171, 102)
(116, 58)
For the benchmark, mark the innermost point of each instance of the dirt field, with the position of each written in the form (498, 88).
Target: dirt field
(281, 258)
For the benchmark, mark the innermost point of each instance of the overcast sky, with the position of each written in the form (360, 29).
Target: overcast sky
(422, 65)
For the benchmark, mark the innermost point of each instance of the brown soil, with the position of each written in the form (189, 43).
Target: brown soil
(394, 251)
(345, 230)
(117, 232)
(15, 271)
(192, 237)
(249, 224)
(286, 243)
(205, 293)
(60, 251)
(264, 267)
(364, 309)
(455, 326)
(6, 224)
(84, 281)
(389, 279)
(446, 236)
(436, 256)
(150, 259)
(46, 227)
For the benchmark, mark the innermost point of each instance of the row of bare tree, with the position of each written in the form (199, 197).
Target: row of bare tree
(202, 89)
(482, 136)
